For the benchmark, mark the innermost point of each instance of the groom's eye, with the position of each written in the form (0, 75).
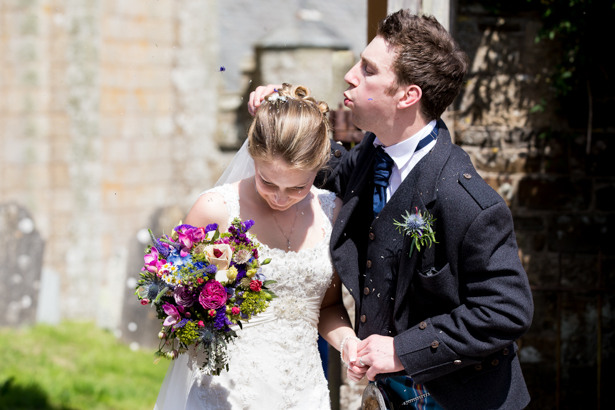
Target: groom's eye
(367, 70)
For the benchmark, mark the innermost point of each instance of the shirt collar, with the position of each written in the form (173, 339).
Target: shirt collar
(402, 152)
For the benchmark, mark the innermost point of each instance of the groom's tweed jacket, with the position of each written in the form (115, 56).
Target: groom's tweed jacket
(454, 309)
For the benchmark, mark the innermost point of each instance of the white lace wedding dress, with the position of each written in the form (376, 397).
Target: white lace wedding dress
(274, 363)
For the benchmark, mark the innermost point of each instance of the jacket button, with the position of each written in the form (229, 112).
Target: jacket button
(422, 325)
(495, 362)
(366, 290)
(337, 153)
(363, 318)
(435, 344)
(372, 236)
(505, 351)
(368, 263)
(458, 362)
(467, 176)
(478, 366)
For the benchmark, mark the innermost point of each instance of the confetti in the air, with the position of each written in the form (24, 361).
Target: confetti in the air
(370, 99)
(222, 68)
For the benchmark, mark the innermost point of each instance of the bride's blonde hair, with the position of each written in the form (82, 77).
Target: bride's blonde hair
(291, 125)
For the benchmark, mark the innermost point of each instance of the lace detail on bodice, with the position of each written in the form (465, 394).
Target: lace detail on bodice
(291, 268)
(275, 364)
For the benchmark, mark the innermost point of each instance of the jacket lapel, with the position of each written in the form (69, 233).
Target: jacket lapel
(341, 246)
(417, 192)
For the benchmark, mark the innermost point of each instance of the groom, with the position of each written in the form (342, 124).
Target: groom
(438, 324)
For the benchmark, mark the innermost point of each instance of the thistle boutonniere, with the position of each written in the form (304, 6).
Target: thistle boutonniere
(419, 227)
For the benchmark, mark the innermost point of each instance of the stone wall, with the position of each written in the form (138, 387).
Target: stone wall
(107, 113)
(562, 200)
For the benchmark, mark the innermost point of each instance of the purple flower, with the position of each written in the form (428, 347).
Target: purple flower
(221, 320)
(247, 225)
(180, 324)
(211, 270)
(173, 314)
(211, 227)
(184, 296)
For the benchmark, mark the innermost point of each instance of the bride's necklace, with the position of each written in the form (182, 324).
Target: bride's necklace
(291, 229)
(276, 220)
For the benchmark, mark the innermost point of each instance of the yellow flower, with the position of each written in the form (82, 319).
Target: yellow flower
(231, 274)
(250, 273)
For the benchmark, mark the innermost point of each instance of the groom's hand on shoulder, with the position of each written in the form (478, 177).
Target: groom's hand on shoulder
(257, 96)
(378, 353)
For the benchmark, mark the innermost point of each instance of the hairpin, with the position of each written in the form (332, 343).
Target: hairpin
(276, 97)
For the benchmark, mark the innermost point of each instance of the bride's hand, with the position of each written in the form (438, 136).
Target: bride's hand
(258, 95)
(355, 371)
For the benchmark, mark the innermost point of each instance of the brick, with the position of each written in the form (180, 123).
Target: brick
(492, 136)
(528, 223)
(60, 176)
(600, 160)
(581, 234)
(605, 196)
(554, 193)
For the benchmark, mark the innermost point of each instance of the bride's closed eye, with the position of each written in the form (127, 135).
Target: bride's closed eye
(297, 188)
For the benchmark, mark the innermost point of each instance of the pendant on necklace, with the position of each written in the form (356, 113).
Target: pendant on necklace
(288, 244)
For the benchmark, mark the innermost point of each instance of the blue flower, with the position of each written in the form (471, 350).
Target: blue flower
(415, 222)
(176, 259)
(259, 275)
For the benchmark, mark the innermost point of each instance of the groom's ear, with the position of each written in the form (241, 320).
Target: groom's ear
(410, 97)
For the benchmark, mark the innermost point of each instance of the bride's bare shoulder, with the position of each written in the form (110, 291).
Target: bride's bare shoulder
(209, 208)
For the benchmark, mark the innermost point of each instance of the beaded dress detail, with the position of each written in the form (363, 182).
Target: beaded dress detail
(274, 363)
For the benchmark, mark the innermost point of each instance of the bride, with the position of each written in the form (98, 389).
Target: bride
(274, 363)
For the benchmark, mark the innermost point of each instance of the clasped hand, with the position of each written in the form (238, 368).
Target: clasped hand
(370, 357)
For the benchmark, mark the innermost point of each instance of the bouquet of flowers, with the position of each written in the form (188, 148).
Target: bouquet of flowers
(201, 283)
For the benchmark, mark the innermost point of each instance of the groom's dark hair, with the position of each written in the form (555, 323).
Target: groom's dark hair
(427, 56)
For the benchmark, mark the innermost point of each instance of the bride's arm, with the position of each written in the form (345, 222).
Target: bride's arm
(208, 209)
(334, 324)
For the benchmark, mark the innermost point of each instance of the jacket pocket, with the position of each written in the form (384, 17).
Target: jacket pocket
(441, 284)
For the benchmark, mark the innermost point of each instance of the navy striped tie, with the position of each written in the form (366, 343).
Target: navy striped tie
(382, 171)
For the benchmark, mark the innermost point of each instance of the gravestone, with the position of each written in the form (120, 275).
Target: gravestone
(21, 260)
(139, 326)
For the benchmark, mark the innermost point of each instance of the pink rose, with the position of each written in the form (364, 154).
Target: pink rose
(219, 255)
(213, 295)
(235, 310)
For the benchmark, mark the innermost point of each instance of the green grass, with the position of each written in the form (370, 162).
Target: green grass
(75, 366)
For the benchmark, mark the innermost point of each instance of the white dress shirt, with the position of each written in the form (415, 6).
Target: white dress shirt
(404, 156)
